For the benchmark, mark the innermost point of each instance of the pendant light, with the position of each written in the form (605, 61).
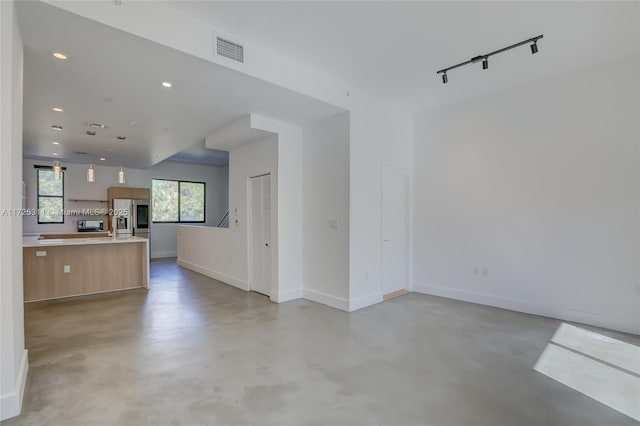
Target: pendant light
(91, 173)
(121, 175)
(57, 169)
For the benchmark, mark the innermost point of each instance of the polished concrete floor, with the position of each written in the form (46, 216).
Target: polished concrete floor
(193, 351)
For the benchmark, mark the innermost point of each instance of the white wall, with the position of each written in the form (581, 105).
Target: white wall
(354, 146)
(163, 235)
(13, 356)
(223, 253)
(288, 245)
(325, 160)
(379, 135)
(540, 184)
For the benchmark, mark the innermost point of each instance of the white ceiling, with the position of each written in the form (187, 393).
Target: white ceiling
(393, 49)
(390, 49)
(200, 154)
(114, 78)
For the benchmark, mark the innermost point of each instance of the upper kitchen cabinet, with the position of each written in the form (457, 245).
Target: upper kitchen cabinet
(125, 192)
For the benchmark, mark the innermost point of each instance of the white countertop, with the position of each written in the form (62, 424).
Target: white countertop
(37, 234)
(35, 242)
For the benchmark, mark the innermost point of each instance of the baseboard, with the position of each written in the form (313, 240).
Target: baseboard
(285, 296)
(626, 325)
(11, 403)
(326, 299)
(363, 302)
(227, 279)
(163, 254)
(395, 294)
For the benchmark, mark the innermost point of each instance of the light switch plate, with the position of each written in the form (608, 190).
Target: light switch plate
(40, 253)
(67, 269)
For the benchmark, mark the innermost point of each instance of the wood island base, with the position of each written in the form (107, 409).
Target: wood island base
(94, 265)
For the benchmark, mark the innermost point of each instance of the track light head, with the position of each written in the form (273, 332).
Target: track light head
(534, 47)
(485, 63)
(445, 79)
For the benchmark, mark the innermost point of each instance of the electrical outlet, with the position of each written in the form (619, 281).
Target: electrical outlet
(476, 270)
(67, 269)
(333, 224)
(41, 253)
(485, 271)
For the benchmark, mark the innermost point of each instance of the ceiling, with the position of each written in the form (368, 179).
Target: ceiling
(389, 49)
(199, 154)
(393, 49)
(114, 78)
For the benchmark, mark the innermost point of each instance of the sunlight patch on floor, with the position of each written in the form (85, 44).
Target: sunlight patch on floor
(605, 369)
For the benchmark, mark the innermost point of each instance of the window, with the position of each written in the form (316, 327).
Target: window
(177, 201)
(50, 196)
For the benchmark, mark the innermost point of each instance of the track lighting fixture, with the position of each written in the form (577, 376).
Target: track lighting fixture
(485, 58)
(534, 47)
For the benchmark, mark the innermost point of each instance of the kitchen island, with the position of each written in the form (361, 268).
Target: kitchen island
(55, 268)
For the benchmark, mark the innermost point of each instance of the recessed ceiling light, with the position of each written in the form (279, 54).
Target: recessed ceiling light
(103, 159)
(55, 154)
(166, 84)
(132, 123)
(55, 143)
(91, 133)
(57, 109)
(59, 55)
(56, 127)
(97, 125)
(121, 137)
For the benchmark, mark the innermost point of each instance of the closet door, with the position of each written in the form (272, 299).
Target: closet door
(260, 234)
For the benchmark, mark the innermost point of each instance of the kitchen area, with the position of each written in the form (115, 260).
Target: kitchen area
(104, 236)
(108, 250)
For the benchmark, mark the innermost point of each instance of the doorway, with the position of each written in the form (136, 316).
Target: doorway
(260, 234)
(395, 232)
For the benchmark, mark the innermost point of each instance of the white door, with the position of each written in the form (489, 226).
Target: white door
(395, 230)
(260, 234)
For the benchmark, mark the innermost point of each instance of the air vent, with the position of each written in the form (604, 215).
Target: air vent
(229, 49)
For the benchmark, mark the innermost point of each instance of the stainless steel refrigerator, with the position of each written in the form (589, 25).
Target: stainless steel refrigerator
(132, 217)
